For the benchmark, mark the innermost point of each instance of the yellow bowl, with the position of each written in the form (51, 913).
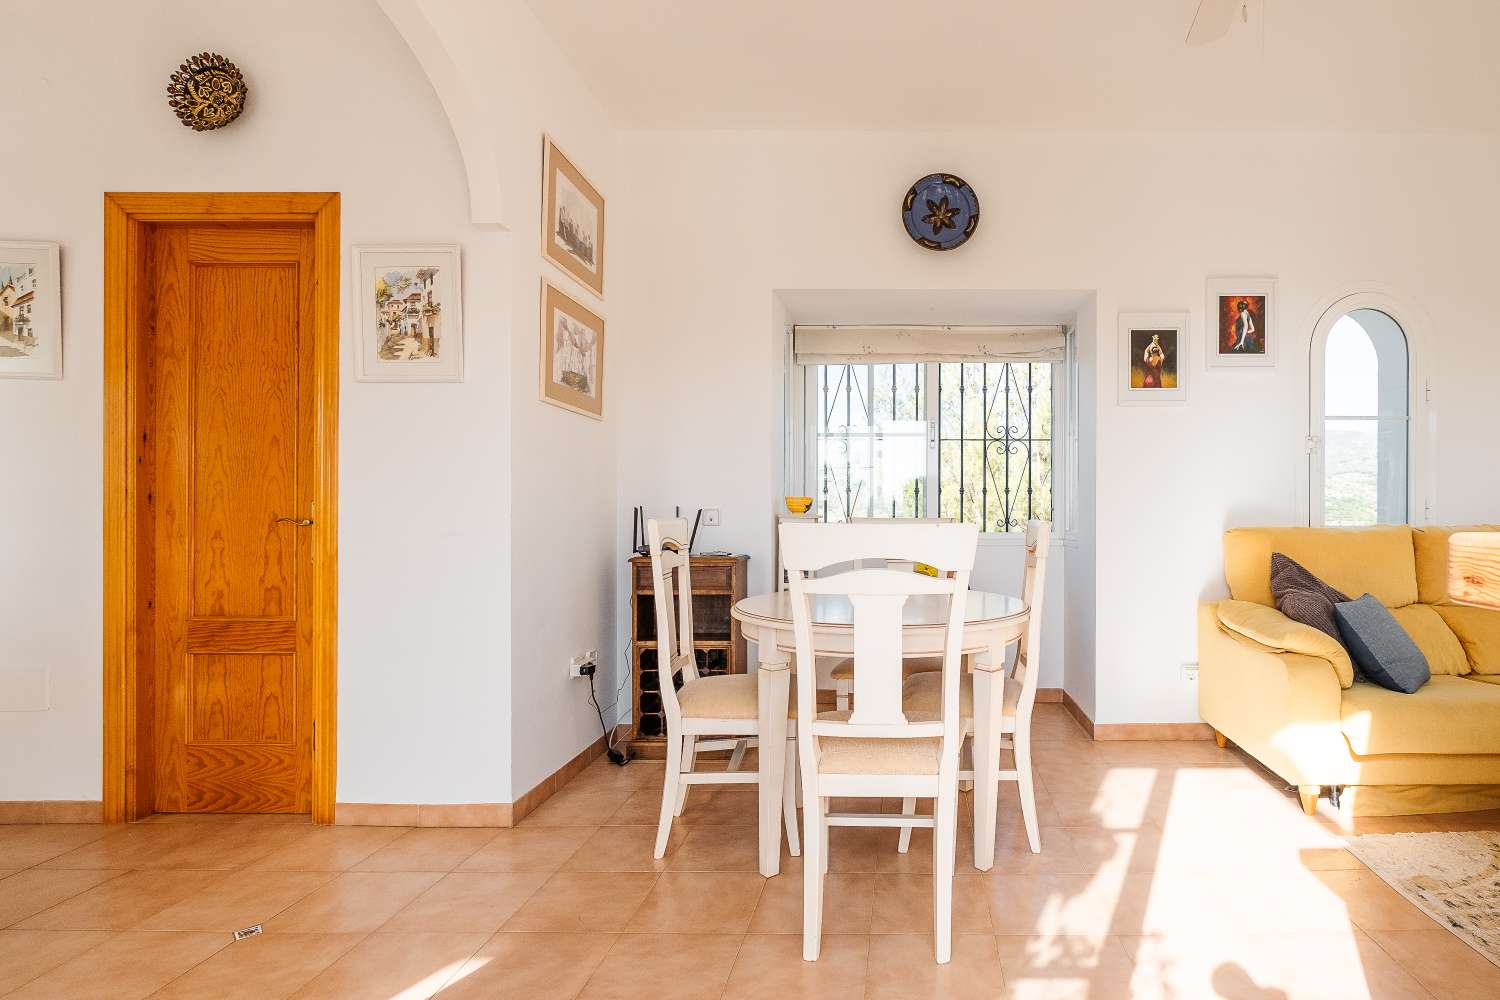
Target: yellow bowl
(798, 505)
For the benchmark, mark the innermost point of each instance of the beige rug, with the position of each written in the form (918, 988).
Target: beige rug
(1453, 877)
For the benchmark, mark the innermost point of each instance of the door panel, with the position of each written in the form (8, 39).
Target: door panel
(231, 319)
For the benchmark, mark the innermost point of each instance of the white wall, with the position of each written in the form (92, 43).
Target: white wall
(718, 219)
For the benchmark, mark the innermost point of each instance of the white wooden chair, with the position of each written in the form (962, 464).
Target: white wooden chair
(722, 705)
(878, 749)
(922, 692)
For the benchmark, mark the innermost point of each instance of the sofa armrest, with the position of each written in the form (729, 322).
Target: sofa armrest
(1281, 707)
(1270, 628)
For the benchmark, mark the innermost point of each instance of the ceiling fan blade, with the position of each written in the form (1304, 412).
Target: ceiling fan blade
(1211, 21)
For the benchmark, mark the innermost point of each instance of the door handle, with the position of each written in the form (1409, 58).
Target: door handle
(301, 522)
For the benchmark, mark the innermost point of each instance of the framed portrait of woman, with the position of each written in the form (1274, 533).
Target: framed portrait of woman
(1240, 314)
(1153, 357)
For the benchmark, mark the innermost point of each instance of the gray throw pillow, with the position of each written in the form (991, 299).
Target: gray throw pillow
(1302, 597)
(1380, 646)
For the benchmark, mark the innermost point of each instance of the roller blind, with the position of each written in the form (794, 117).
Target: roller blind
(865, 345)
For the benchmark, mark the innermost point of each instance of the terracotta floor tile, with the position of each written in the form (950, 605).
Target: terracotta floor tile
(122, 903)
(24, 846)
(1443, 963)
(859, 849)
(528, 849)
(354, 902)
(1372, 904)
(1060, 966)
(583, 901)
(231, 846)
(136, 845)
(427, 850)
(903, 904)
(1064, 905)
(330, 848)
(730, 806)
(265, 967)
(580, 807)
(24, 955)
(529, 967)
(468, 901)
(128, 966)
(848, 905)
(688, 902)
(639, 773)
(237, 900)
(34, 890)
(902, 967)
(388, 966)
(643, 808)
(771, 967)
(717, 849)
(664, 967)
(626, 849)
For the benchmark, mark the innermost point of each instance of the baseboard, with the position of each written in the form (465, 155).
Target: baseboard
(1079, 715)
(16, 811)
(1050, 696)
(467, 814)
(1107, 732)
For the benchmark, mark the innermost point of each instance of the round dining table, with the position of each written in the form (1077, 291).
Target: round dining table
(991, 623)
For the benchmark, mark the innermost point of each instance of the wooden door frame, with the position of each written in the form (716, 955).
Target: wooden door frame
(128, 722)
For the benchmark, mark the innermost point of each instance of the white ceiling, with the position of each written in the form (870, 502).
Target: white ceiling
(1034, 64)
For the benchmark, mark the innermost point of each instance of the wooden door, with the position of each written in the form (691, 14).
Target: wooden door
(231, 505)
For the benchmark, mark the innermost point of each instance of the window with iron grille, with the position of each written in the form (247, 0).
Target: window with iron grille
(971, 441)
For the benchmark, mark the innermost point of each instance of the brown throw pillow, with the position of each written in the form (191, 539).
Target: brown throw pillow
(1304, 598)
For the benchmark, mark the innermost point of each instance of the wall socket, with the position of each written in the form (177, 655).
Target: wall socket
(710, 517)
(577, 664)
(1190, 671)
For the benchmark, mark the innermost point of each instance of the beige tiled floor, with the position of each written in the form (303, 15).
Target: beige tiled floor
(1168, 870)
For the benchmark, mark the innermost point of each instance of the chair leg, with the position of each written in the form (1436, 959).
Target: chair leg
(908, 808)
(669, 790)
(689, 761)
(824, 811)
(789, 799)
(736, 758)
(841, 691)
(944, 846)
(812, 877)
(1027, 787)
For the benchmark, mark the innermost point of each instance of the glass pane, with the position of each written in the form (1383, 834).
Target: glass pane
(995, 444)
(1351, 372)
(871, 441)
(1366, 375)
(1350, 464)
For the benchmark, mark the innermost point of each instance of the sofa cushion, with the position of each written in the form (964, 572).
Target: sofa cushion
(1302, 597)
(1445, 654)
(1379, 646)
(1375, 560)
(1478, 631)
(1275, 630)
(1430, 546)
(1449, 715)
(1484, 678)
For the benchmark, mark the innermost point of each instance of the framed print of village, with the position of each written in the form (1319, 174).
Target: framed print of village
(408, 314)
(30, 311)
(572, 219)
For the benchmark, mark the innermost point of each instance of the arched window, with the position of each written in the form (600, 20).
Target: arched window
(1361, 438)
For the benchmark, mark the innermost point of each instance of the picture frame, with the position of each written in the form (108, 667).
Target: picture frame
(572, 353)
(572, 219)
(1166, 336)
(1240, 322)
(30, 310)
(408, 313)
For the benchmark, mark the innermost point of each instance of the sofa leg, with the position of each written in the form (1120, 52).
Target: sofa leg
(1335, 793)
(1309, 796)
(1219, 739)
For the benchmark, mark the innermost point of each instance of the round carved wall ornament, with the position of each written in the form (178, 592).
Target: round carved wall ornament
(207, 92)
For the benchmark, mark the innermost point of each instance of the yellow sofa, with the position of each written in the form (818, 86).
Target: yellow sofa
(1285, 692)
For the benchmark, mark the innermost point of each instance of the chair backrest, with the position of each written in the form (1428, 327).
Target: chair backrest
(1027, 667)
(671, 563)
(903, 564)
(878, 597)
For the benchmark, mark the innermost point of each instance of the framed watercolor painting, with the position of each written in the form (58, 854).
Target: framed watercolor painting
(1153, 357)
(408, 314)
(30, 311)
(572, 354)
(1240, 314)
(572, 219)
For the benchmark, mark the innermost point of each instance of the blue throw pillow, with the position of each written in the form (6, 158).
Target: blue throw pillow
(1379, 645)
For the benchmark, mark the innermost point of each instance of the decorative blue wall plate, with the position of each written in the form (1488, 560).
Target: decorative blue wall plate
(940, 211)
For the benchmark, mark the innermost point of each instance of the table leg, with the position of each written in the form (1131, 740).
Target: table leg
(989, 695)
(774, 683)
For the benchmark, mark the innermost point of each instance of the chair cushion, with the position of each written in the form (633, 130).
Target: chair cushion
(1302, 597)
(1478, 631)
(726, 696)
(1431, 547)
(1270, 627)
(1445, 654)
(1383, 650)
(1375, 560)
(844, 669)
(1449, 715)
(924, 693)
(865, 755)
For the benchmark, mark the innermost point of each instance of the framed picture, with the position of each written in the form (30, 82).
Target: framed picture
(572, 355)
(408, 314)
(572, 219)
(1153, 357)
(1240, 314)
(30, 311)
